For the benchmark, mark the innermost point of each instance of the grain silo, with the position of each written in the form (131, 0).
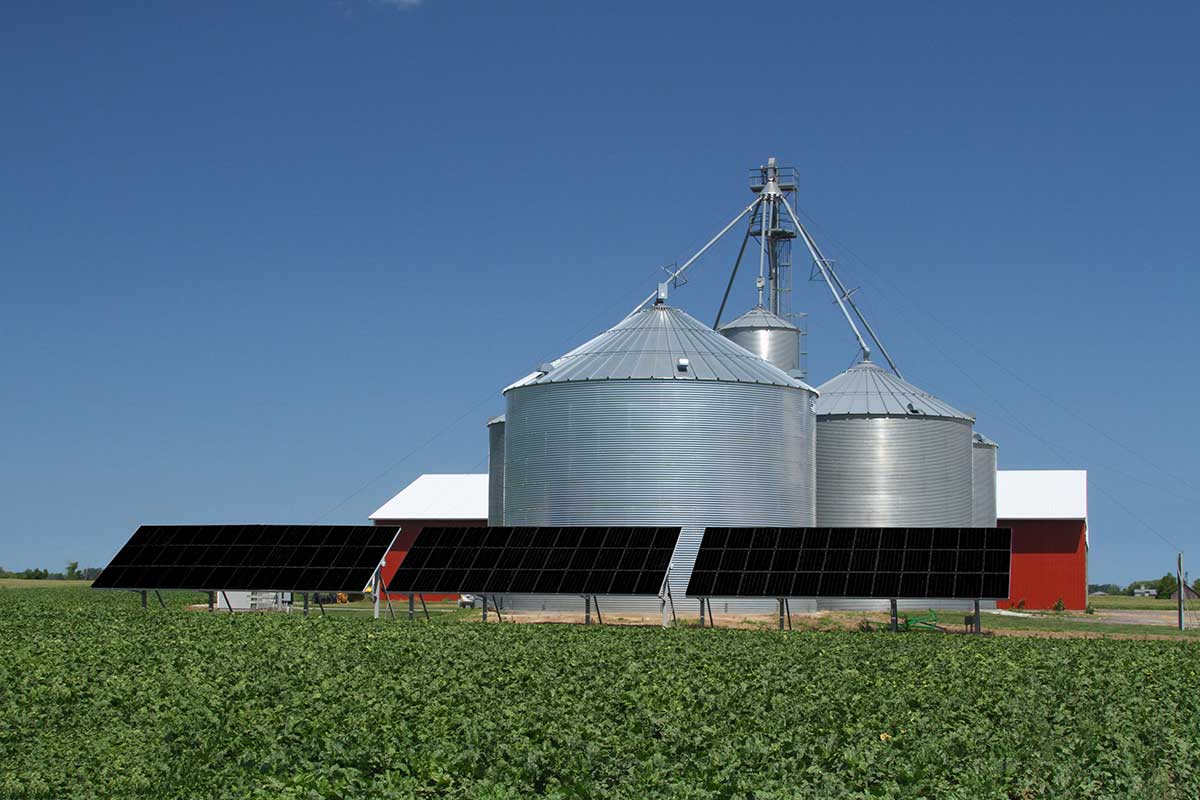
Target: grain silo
(495, 509)
(659, 421)
(983, 491)
(890, 454)
(769, 336)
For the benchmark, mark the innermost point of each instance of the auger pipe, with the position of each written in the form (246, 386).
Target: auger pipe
(821, 265)
(701, 252)
(849, 299)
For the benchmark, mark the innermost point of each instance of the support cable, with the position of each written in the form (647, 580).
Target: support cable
(736, 264)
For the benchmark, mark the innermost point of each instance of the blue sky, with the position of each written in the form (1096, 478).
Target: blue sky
(254, 254)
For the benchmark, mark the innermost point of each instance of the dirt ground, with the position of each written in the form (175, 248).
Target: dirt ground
(1136, 617)
(822, 620)
(848, 621)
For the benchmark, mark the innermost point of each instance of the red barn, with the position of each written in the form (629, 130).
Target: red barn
(1047, 511)
(428, 501)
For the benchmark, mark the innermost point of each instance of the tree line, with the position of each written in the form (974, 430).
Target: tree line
(71, 573)
(1166, 586)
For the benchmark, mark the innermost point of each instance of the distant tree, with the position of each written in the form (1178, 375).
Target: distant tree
(90, 573)
(1196, 585)
(1107, 588)
(72, 572)
(1167, 585)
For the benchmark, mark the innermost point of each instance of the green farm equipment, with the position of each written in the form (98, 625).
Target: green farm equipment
(920, 622)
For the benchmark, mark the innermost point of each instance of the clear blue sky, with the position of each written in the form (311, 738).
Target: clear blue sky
(255, 253)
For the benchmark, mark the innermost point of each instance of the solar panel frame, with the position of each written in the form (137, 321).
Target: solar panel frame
(289, 558)
(880, 563)
(540, 560)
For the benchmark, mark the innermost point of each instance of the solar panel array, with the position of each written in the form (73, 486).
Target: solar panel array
(296, 558)
(955, 563)
(585, 561)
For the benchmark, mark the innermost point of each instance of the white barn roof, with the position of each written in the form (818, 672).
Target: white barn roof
(439, 497)
(1020, 494)
(1041, 494)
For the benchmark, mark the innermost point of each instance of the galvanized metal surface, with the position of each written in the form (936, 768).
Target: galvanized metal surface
(768, 336)
(650, 344)
(658, 452)
(983, 482)
(867, 388)
(893, 472)
(496, 471)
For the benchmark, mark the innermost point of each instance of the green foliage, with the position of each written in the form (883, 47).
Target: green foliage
(1167, 585)
(72, 573)
(102, 699)
(1059, 605)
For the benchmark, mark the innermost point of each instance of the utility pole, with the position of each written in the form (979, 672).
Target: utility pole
(1182, 586)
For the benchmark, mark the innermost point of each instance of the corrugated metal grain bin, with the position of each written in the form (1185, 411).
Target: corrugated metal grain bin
(983, 488)
(769, 336)
(496, 470)
(659, 421)
(890, 454)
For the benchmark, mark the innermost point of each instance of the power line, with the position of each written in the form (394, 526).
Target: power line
(1013, 417)
(1015, 376)
(489, 397)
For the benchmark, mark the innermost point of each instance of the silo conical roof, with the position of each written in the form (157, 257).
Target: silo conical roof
(758, 317)
(662, 343)
(866, 389)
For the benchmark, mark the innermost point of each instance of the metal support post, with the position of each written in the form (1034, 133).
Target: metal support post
(212, 601)
(596, 603)
(320, 605)
(662, 602)
(712, 620)
(228, 604)
(387, 598)
(733, 275)
(587, 609)
(375, 593)
(762, 252)
(701, 612)
(977, 622)
(1182, 587)
(484, 607)
(160, 600)
(780, 613)
(412, 607)
(895, 621)
(306, 604)
(143, 598)
(421, 597)
(787, 606)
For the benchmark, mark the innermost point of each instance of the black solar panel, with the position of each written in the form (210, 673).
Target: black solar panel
(290, 558)
(537, 561)
(953, 563)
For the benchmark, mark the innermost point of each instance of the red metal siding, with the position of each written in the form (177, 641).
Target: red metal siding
(409, 528)
(1049, 561)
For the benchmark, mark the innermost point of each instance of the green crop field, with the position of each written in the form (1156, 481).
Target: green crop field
(102, 699)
